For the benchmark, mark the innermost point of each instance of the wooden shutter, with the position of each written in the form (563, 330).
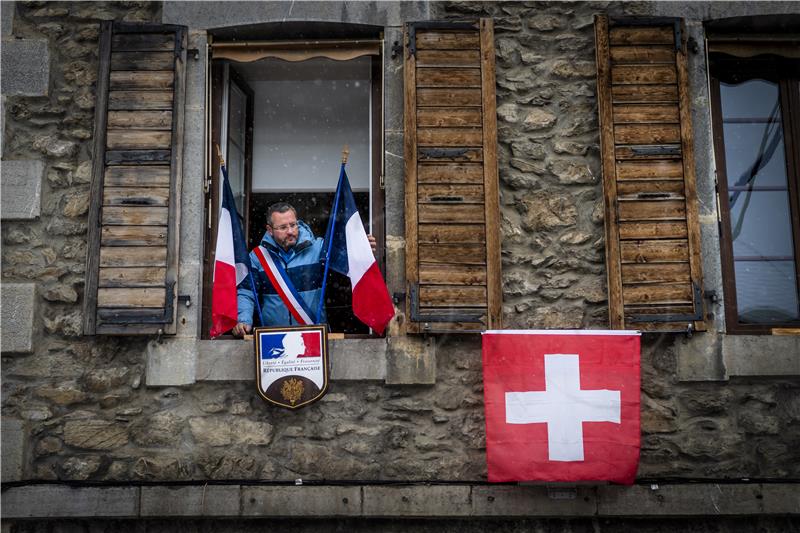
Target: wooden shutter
(452, 205)
(132, 264)
(652, 234)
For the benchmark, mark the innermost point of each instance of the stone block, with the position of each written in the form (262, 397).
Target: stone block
(411, 361)
(21, 188)
(206, 501)
(679, 500)
(301, 501)
(394, 173)
(358, 359)
(18, 301)
(503, 501)
(192, 203)
(58, 501)
(761, 355)
(13, 449)
(443, 501)
(393, 81)
(26, 67)
(171, 362)
(7, 10)
(189, 284)
(700, 357)
(781, 498)
(225, 360)
(195, 71)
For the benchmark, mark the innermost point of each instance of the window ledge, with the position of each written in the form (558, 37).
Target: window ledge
(761, 355)
(401, 360)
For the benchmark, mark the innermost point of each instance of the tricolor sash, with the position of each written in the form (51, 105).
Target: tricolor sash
(284, 287)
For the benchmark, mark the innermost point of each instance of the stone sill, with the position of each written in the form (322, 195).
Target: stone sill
(233, 360)
(181, 361)
(390, 501)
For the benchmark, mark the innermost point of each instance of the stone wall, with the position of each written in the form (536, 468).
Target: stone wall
(83, 412)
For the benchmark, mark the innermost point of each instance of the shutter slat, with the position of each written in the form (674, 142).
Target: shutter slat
(132, 260)
(452, 233)
(451, 173)
(652, 232)
(449, 274)
(448, 116)
(447, 40)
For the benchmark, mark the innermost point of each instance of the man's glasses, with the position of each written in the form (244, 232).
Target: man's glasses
(285, 227)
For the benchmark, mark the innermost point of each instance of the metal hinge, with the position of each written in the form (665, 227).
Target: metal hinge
(382, 182)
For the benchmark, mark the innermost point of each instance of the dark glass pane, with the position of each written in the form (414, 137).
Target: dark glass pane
(766, 292)
(761, 224)
(754, 155)
(753, 98)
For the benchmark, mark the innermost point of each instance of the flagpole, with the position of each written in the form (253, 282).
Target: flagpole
(249, 270)
(329, 233)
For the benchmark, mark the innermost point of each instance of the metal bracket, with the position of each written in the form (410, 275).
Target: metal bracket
(194, 53)
(656, 149)
(397, 49)
(434, 25)
(185, 298)
(444, 317)
(442, 153)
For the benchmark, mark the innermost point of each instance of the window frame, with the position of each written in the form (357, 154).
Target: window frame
(774, 69)
(215, 86)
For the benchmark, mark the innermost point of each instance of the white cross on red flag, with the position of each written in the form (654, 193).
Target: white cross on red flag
(562, 405)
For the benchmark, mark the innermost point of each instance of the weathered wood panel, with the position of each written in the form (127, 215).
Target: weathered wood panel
(142, 60)
(130, 176)
(634, 273)
(132, 256)
(647, 133)
(465, 254)
(128, 139)
(652, 210)
(125, 298)
(145, 120)
(654, 251)
(440, 193)
(135, 216)
(644, 93)
(642, 54)
(448, 77)
(144, 196)
(134, 276)
(450, 173)
(643, 74)
(132, 100)
(452, 233)
(449, 137)
(453, 296)
(448, 116)
(134, 236)
(456, 214)
(138, 42)
(448, 97)
(676, 293)
(448, 58)
(650, 188)
(134, 79)
(627, 35)
(638, 170)
(652, 230)
(645, 113)
(444, 274)
(446, 40)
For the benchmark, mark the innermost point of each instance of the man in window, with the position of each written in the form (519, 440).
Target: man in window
(290, 246)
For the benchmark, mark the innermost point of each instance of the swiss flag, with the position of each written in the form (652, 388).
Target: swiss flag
(562, 405)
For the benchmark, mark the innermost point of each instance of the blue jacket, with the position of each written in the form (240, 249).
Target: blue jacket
(302, 264)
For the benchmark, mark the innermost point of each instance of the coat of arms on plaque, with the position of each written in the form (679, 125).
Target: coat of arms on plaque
(292, 364)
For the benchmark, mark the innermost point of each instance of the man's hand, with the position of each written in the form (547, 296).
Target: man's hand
(241, 329)
(373, 243)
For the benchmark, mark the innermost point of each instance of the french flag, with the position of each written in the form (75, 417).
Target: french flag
(231, 266)
(350, 254)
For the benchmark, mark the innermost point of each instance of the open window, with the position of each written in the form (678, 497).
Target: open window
(281, 111)
(755, 91)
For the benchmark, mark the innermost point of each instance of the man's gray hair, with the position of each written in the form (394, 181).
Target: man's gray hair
(279, 207)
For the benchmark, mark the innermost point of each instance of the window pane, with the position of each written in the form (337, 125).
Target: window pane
(753, 135)
(238, 109)
(761, 224)
(766, 291)
(236, 176)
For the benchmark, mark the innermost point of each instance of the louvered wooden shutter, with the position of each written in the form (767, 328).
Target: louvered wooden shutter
(652, 233)
(452, 205)
(132, 264)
